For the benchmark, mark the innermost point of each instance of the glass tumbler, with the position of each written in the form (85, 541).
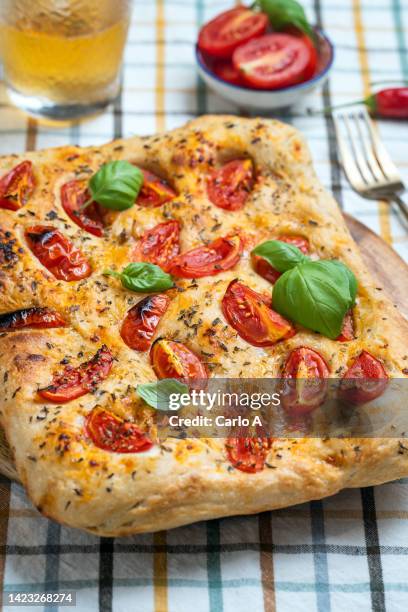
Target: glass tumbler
(62, 58)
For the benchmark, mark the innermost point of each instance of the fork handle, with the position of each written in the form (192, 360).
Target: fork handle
(401, 205)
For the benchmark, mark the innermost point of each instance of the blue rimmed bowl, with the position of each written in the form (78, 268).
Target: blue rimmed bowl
(260, 99)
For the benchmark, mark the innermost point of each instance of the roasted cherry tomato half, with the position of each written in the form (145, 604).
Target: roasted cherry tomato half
(229, 186)
(252, 317)
(273, 61)
(35, 318)
(171, 359)
(364, 381)
(220, 36)
(57, 253)
(220, 255)
(159, 245)
(264, 268)
(248, 454)
(73, 196)
(17, 186)
(75, 382)
(140, 323)
(305, 387)
(225, 70)
(108, 432)
(347, 331)
(155, 191)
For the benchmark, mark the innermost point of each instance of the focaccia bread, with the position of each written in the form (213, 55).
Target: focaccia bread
(102, 487)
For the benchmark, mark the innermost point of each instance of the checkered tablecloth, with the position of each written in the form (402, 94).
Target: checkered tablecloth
(348, 552)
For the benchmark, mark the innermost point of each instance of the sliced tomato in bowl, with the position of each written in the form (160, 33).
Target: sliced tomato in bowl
(274, 61)
(220, 36)
(225, 70)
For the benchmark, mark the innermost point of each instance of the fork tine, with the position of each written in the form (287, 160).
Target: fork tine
(372, 161)
(387, 165)
(349, 166)
(358, 155)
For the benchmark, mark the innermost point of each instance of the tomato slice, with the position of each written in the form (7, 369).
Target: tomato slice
(248, 454)
(159, 245)
(172, 359)
(364, 381)
(229, 186)
(305, 387)
(108, 432)
(140, 323)
(220, 36)
(73, 196)
(218, 256)
(155, 191)
(273, 61)
(250, 314)
(347, 331)
(57, 253)
(314, 58)
(17, 186)
(264, 268)
(225, 70)
(35, 318)
(75, 382)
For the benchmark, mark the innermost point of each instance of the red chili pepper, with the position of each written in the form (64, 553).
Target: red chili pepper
(391, 103)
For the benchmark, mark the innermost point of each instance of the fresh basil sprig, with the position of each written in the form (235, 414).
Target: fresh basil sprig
(143, 277)
(157, 394)
(116, 185)
(281, 255)
(284, 13)
(316, 294)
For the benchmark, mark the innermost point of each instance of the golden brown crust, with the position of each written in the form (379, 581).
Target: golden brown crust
(181, 481)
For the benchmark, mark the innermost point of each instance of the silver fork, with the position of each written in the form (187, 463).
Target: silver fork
(366, 162)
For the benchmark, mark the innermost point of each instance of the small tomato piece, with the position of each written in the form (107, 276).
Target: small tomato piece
(305, 386)
(17, 186)
(364, 381)
(73, 196)
(140, 323)
(75, 382)
(229, 186)
(34, 318)
(220, 36)
(347, 331)
(159, 245)
(108, 432)
(273, 61)
(57, 253)
(250, 314)
(155, 191)
(248, 454)
(218, 256)
(172, 359)
(225, 70)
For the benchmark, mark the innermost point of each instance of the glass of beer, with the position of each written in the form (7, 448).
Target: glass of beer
(62, 58)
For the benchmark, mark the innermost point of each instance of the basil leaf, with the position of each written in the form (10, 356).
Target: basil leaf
(143, 277)
(283, 13)
(316, 294)
(116, 185)
(353, 286)
(157, 394)
(280, 255)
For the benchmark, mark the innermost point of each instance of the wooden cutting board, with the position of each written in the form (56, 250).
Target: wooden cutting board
(384, 264)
